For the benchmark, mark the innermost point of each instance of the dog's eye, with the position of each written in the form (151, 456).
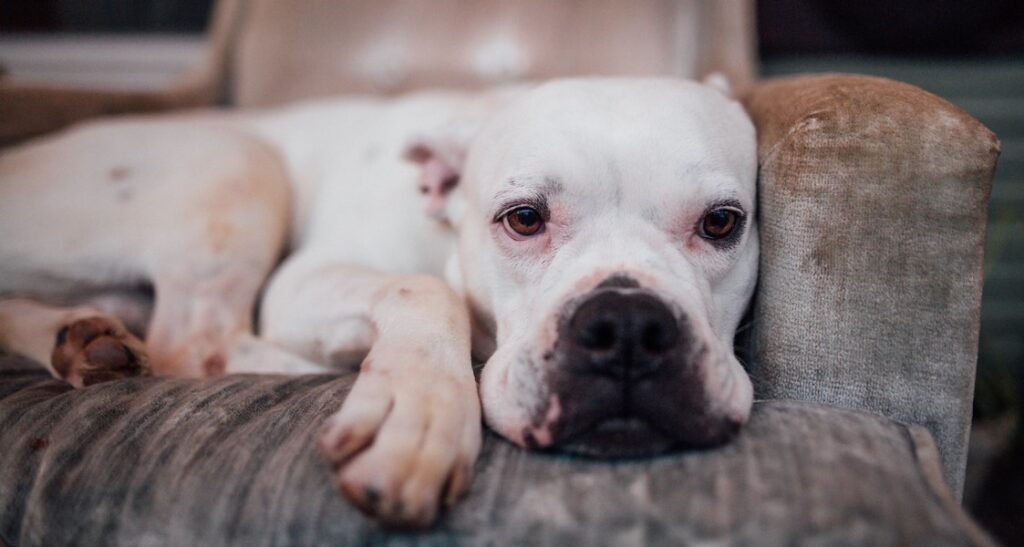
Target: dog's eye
(524, 221)
(719, 223)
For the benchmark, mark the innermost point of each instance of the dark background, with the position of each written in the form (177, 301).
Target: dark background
(901, 27)
(917, 27)
(120, 16)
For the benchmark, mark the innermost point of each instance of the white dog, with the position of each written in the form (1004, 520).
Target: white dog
(597, 235)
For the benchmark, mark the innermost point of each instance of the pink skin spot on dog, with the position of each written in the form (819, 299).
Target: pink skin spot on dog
(119, 173)
(547, 336)
(587, 283)
(549, 333)
(692, 244)
(219, 234)
(437, 180)
(215, 366)
(504, 378)
(542, 435)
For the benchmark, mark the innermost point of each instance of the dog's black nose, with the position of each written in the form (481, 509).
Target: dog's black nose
(626, 334)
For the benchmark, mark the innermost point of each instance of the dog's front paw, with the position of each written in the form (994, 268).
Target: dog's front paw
(404, 443)
(97, 349)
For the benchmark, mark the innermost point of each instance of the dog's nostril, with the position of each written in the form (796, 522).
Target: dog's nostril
(653, 338)
(599, 336)
(659, 335)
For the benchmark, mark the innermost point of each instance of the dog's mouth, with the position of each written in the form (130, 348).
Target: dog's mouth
(618, 437)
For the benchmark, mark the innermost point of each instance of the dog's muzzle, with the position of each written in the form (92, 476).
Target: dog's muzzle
(628, 373)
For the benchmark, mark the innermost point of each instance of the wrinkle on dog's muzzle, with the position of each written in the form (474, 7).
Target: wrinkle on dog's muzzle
(626, 334)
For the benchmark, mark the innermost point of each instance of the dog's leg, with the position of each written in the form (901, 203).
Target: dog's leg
(195, 208)
(82, 345)
(407, 436)
(202, 326)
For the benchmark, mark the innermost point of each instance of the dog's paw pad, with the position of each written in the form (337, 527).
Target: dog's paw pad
(97, 349)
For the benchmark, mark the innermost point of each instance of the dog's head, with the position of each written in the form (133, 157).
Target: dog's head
(608, 248)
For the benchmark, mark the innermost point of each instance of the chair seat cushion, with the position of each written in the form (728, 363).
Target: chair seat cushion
(232, 461)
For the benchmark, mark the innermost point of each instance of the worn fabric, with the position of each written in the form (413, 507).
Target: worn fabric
(873, 200)
(232, 461)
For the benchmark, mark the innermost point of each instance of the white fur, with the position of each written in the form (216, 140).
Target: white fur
(202, 205)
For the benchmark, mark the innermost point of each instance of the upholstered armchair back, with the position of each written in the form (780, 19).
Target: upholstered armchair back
(304, 48)
(873, 194)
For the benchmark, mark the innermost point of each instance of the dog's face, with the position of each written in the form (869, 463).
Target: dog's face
(607, 243)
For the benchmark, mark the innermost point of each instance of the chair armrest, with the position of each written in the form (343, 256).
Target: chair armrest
(29, 110)
(873, 199)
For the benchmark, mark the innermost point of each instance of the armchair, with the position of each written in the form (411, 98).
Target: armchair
(862, 348)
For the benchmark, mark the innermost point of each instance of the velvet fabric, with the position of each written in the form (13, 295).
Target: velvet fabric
(872, 215)
(232, 461)
(298, 49)
(873, 199)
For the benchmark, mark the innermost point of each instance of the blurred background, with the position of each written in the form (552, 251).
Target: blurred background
(970, 53)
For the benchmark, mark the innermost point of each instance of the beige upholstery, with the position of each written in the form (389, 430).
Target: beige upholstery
(264, 52)
(306, 48)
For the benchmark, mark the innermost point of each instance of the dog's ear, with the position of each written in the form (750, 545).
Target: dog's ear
(720, 82)
(440, 156)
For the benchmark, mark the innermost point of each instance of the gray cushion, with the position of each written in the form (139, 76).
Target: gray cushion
(231, 461)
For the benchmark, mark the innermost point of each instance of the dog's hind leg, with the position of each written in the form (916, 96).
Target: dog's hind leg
(206, 288)
(202, 326)
(207, 277)
(195, 208)
(406, 438)
(81, 345)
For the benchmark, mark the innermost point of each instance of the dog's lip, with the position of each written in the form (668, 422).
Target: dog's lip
(618, 437)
